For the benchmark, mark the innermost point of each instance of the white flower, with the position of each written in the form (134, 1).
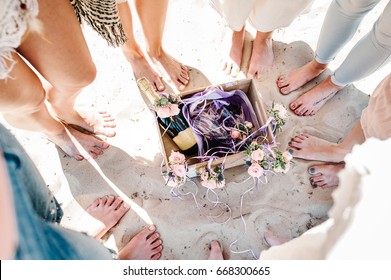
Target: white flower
(282, 112)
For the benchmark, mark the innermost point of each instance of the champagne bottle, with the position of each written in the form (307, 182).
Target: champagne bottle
(175, 126)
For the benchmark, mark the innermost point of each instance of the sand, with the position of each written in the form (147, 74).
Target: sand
(131, 167)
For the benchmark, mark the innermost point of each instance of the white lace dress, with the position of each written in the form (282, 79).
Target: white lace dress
(15, 16)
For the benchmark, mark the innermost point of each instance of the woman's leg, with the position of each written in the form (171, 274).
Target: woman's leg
(133, 53)
(262, 55)
(368, 55)
(61, 56)
(22, 103)
(340, 24)
(152, 16)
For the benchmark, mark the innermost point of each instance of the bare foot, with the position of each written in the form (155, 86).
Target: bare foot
(300, 76)
(325, 175)
(108, 210)
(272, 240)
(141, 68)
(78, 145)
(101, 123)
(231, 65)
(311, 101)
(215, 251)
(176, 71)
(262, 56)
(309, 147)
(146, 245)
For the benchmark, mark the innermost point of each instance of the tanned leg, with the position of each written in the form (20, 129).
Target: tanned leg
(61, 56)
(22, 103)
(262, 56)
(232, 63)
(134, 54)
(152, 16)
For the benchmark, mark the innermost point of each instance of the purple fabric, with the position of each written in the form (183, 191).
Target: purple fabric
(211, 115)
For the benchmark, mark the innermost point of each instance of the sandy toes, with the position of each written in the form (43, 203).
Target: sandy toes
(232, 62)
(146, 245)
(300, 76)
(215, 251)
(325, 175)
(176, 71)
(86, 120)
(310, 147)
(78, 145)
(108, 210)
(310, 102)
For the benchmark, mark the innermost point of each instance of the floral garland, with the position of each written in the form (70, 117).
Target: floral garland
(167, 105)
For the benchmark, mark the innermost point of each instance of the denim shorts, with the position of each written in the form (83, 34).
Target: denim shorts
(39, 215)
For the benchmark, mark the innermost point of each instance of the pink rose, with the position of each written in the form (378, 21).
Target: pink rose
(163, 112)
(287, 156)
(179, 170)
(174, 109)
(177, 157)
(257, 155)
(255, 170)
(235, 134)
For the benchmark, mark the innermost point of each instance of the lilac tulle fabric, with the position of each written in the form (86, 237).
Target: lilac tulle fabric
(211, 115)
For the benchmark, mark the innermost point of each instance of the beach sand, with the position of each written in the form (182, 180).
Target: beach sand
(131, 167)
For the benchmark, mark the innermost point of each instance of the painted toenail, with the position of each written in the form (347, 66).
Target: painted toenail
(152, 228)
(291, 151)
(293, 106)
(312, 170)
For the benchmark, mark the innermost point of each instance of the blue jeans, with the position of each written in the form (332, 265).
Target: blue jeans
(39, 214)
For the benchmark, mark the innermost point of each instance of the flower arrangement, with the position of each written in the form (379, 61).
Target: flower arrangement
(212, 177)
(262, 158)
(241, 131)
(176, 174)
(280, 114)
(167, 105)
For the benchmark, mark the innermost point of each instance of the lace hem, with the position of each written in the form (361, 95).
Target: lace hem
(15, 16)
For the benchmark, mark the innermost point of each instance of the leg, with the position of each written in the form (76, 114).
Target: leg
(215, 251)
(309, 147)
(262, 56)
(133, 53)
(232, 64)
(369, 54)
(63, 59)
(146, 245)
(325, 175)
(152, 16)
(108, 210)
(339, 26)
(22, 104)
